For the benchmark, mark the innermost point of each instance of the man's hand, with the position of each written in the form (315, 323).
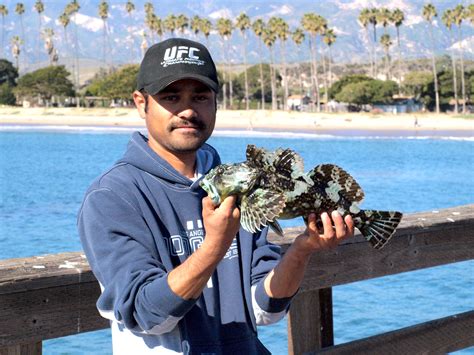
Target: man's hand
(221, 223)
(312, 240)
(285, 279)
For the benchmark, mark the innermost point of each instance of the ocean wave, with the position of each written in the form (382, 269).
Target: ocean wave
(349, 134)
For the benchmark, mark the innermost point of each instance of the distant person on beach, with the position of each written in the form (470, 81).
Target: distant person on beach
(178, 274)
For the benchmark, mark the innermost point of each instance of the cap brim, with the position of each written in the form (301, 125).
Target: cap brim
(155, 88)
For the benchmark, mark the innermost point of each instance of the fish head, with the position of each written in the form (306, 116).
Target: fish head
(229, 179)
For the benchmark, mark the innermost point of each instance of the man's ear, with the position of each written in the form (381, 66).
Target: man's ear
(140, 103)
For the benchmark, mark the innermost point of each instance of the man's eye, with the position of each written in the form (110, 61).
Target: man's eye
(201, 98)
(170, 98)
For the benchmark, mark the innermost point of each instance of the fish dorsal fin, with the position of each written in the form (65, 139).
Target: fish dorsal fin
(280, 168)
(259, 208)
(330, 174)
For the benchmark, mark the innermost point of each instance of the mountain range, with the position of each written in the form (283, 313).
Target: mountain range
(125, 32)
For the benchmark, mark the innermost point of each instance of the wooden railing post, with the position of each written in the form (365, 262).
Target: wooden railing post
(34, 348)
(310, 322)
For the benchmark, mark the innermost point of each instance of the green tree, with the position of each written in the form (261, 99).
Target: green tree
(255, 90)
(367, 92)
(345, 80)
(4, 13)
(243, 24)
(258, 27)
(45, 83)
(8, 76)
(117, 85)
(72, 9)
(429, 12)
(195, 24)
(417, 84)
(282, 31)
(8, 73)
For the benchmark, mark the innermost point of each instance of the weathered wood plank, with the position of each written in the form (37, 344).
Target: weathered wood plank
(310, 322)
(423, 240)
(435, 337)
(35, 348)
(49, 313)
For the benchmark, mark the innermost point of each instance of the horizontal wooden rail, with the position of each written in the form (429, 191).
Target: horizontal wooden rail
(50, 296)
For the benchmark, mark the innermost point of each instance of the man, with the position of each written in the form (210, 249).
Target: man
(178, 274)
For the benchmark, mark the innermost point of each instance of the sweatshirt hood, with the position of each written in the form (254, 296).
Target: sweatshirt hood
(140, 155)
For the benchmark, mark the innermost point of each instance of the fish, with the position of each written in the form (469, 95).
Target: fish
(272, 185)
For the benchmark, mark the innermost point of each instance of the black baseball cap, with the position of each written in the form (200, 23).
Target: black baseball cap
(175, 59)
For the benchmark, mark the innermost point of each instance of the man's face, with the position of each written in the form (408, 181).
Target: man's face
(180, 118)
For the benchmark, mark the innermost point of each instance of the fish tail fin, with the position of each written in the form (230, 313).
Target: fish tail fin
(377, 226)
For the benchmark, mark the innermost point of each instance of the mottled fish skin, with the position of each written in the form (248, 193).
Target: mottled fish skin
(280, 189)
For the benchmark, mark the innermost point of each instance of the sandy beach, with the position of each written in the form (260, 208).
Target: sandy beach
(318, 123)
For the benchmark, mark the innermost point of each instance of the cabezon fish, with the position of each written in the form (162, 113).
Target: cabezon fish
(273, 185)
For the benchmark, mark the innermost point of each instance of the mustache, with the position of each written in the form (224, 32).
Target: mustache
(192, 122)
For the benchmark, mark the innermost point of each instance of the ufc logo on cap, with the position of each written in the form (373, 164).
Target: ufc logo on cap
(176, 52)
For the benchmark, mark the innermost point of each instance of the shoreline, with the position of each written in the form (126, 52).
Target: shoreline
(253, 121)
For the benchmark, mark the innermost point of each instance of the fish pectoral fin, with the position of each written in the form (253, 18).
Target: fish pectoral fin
(259, 208)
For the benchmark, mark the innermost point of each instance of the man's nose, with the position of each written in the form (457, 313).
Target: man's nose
(188, 112)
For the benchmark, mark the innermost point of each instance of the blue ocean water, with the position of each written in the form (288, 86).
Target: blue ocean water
(43, 176)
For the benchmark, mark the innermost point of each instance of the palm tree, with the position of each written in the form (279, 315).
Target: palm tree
(448, 21)
(397, 19)
(16, 50)
(281, 29)
(429, 11)
(48, 34)
(72, 9)
(299, 37)
(243, 24)
(314, 24)
(195, 25)
(364, 20)
(149, 9)
(269, 38)
(205, 26)
(20, 10)
(104, 14)
(258, 27)
(130, 7)
(182, 22)
(4, 13)
(151, 22)
(470, 13)
(383, 17)
(39, 7)
(169, 24)
(224, 28)
(386, 42)
(373, 18)
(458, 17)
(64, 20)
(329, 37)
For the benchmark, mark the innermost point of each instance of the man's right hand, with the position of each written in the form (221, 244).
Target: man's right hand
(221, 224)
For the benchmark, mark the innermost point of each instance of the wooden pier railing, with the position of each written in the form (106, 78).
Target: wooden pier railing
(51, 296)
